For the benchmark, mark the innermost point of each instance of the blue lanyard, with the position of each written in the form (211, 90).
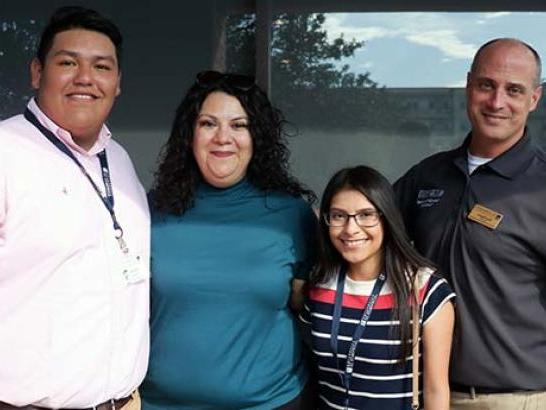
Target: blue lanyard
(108, 199)
(359, 330)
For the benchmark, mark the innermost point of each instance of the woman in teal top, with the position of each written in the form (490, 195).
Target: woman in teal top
(230, 252)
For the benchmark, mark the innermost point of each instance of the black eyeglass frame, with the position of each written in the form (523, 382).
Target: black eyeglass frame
(377, 214)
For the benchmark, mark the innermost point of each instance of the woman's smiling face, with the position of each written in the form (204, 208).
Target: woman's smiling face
(222, 145)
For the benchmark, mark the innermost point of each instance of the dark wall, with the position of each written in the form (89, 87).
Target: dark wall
(165, 44)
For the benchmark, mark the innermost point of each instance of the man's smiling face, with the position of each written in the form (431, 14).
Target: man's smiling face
(78, 83)
(501, 91)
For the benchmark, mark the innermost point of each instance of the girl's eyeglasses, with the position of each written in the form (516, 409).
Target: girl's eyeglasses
(365, 219)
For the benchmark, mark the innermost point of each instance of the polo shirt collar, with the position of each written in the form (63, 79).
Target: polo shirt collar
(104, 135)
(509, 164)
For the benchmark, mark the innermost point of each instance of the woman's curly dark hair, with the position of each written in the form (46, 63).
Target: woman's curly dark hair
(178, 174)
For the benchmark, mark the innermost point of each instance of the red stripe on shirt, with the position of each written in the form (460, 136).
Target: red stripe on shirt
(358, 301)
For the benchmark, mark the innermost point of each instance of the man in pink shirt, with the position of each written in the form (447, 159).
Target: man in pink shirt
(74, 232)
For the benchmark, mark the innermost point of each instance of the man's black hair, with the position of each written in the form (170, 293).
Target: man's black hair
(75, 17)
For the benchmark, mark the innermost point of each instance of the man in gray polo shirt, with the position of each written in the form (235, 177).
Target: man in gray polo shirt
(479, 212)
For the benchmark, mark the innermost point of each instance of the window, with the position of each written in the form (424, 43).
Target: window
(18, 38)
(382, 89)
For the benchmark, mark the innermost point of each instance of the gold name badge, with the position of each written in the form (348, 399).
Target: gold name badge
(485, 216)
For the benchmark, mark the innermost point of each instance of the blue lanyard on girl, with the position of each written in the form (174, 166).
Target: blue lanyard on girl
(359, 330)
(108, 199)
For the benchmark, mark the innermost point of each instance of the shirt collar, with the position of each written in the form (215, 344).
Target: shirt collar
(509, 164)
(104, 135)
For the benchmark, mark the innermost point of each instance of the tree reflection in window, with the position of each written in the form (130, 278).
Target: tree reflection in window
(18, 39)
(311, 80)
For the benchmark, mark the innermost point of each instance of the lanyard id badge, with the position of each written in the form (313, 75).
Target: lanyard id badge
(130, 266)
(347, 373)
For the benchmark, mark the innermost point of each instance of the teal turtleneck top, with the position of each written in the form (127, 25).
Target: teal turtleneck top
(223, 336)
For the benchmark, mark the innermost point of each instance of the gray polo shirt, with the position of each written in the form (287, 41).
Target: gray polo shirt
(499, 274)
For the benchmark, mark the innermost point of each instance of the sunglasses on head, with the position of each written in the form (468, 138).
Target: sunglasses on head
(208, 78)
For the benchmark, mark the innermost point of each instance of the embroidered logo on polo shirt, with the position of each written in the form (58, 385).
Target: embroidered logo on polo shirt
(429, 197)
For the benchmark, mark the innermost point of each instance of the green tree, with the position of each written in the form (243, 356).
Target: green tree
(308, 82)
(304, 58)
(240, 44)
(17, 44)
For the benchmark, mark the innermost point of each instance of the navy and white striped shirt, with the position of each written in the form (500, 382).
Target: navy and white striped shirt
(379, 381)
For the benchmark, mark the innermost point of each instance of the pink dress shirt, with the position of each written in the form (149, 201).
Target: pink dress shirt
(73, 333)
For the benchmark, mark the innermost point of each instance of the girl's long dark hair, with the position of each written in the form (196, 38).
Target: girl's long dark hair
(401, 260)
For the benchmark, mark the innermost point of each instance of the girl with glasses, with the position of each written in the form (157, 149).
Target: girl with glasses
(359, 307)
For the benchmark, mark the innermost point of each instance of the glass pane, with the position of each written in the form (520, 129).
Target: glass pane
(18, 40)
(241, 44)
(383, 89)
